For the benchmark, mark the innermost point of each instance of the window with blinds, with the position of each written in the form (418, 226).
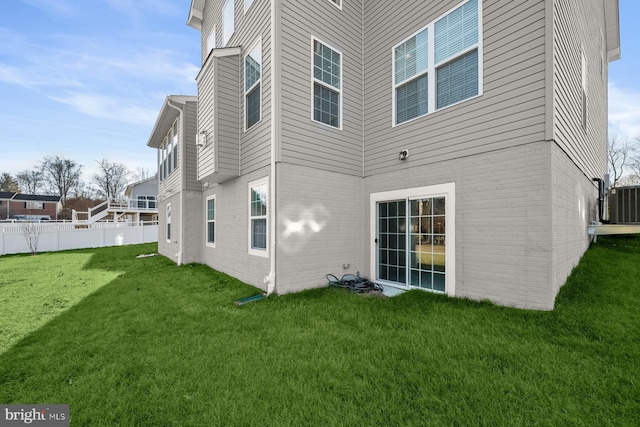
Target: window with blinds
(440, 65)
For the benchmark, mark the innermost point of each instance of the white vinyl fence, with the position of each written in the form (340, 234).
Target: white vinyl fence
(60, 236)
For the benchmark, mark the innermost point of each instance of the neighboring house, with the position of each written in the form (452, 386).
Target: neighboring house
(446, 145)
(179, 192)
(143, 194)
(29, 206)
(5, 197)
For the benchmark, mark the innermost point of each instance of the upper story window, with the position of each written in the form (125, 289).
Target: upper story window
(327, 85)
(228, 21)
(168, 156)
(440, 65)
(337, 3)
(252, 85)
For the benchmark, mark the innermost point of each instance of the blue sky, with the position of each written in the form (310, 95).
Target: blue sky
(85, 79)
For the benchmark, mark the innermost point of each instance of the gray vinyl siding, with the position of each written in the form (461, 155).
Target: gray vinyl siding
(305, 142)
(253, 146)
(578, 24)
(206, 155)
(510, 112)
(227, 122)
(250, 27)
(189, 149)
(330, 236)
(219, 118)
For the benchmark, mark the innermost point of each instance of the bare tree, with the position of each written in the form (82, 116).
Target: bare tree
(30, 181)
(8, 183)
(60, 175)
(619, 156)
(111, 180)
(31, 233)
(141, 174)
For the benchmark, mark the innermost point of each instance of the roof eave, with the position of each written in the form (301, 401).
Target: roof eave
(612, 29)
(196, 12)
(166, 118)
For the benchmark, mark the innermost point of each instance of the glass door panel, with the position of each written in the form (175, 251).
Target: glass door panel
(428, 245)
(392, 238)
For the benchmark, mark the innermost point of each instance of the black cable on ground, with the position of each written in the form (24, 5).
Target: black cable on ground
(354, 283)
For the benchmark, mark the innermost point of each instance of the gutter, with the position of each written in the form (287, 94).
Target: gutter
(181, 242)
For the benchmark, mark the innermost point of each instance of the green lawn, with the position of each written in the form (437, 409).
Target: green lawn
(128, 341)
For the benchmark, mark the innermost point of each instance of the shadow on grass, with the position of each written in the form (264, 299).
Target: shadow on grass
(164, 345)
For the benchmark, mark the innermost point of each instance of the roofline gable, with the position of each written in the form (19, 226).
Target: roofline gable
(166, 118)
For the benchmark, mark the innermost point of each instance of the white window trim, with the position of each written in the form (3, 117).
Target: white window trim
(262, 182)
(251, 2)
(441, 190)
(168, 222)
(337, 4)
(259, 82)
(333, 88)
(211, 42)
(207, 221)
(432, 66)
(225, 40)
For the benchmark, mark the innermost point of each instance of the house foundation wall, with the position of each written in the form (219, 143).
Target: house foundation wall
(319, 226)
(230, 253)
(574, 198)
(503, 222)
(169, 247)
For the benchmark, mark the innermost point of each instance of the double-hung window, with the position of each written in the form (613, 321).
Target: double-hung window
(327, 85)
(252, 85)
(168, 233)
(228, 21)
(211, 220)
(258, 217)
(440, 65)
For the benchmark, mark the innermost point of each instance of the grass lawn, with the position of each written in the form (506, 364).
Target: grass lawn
(128, 341)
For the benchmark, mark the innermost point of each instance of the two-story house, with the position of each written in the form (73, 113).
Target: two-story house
(29, 206)
(442, 145)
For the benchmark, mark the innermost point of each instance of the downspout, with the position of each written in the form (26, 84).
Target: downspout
(181, 242)
(270, 280)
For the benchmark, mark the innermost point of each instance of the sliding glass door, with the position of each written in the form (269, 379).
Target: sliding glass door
(413, 256)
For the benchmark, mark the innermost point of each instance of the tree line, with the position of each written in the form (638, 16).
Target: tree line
(59, 176)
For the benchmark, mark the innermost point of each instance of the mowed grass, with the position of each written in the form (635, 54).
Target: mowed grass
(162, 345)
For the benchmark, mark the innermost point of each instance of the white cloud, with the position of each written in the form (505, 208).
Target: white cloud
(107, 107)
(624, 111)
